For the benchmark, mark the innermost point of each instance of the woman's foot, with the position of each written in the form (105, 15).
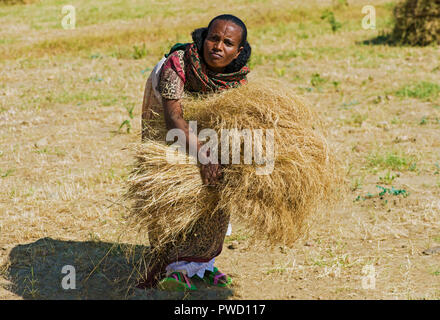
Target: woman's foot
(217, 278)
(177, 281)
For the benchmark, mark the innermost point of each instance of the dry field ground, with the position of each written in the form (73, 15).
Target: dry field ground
(63, 162)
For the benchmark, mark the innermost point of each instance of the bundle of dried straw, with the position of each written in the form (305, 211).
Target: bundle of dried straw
(274, 206)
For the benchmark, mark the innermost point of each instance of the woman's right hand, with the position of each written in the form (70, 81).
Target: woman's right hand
(211, 174)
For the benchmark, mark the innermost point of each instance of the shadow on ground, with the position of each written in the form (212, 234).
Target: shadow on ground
(381, 40)
(103, 271)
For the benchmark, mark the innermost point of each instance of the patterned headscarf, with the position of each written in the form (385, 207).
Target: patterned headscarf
(210, 80)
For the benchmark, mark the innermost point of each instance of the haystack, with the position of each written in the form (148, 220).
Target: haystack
(417, 22)
(273, 205)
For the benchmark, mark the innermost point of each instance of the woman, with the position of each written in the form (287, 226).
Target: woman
(215, 61)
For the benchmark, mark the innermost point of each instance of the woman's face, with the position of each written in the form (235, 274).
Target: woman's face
(222, 44)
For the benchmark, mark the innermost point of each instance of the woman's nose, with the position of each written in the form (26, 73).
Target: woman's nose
(218, 45)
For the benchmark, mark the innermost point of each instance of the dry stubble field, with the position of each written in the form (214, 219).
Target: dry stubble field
(65, 93)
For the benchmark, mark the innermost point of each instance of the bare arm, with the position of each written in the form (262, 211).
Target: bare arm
(174, 120)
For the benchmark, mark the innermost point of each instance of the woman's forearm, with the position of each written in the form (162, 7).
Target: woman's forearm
(174, 120)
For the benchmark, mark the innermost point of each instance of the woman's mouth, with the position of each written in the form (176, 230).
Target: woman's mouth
(215, 55)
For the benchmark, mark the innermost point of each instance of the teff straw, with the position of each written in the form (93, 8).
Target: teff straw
(171, 198)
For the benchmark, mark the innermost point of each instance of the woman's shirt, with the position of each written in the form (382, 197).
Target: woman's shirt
(172, 83)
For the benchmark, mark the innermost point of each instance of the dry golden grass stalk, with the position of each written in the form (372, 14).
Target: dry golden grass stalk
(273, 206)
(417, 22)
(167, 197)
(305, 176)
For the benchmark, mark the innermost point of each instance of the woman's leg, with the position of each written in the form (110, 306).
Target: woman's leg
(203, 243)
(191, 268)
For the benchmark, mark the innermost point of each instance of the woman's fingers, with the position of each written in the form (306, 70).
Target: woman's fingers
(213, 172)
(210, 174)
(206, 174)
